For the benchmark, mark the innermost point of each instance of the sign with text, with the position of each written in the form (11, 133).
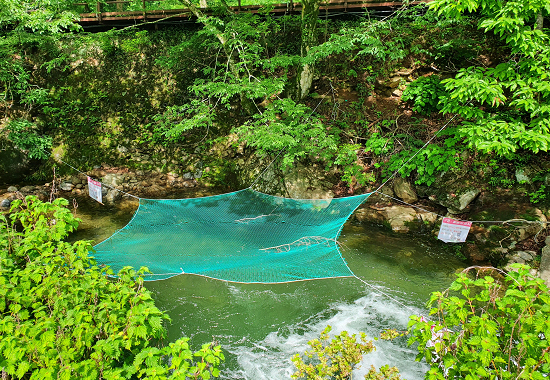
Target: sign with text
(94, 189)
(454, 231)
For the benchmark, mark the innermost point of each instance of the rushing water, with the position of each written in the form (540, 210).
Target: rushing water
(261, 327)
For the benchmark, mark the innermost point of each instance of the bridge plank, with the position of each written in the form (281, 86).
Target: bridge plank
(155, 14)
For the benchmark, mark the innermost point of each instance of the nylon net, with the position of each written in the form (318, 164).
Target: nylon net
(245, 236)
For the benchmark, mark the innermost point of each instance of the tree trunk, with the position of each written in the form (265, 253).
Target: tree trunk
(304, 76)
(540, 21)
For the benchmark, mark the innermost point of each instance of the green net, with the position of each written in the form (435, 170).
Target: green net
(245, 236)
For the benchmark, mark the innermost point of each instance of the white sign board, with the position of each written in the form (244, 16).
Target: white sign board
(454, 231)
(94, 189)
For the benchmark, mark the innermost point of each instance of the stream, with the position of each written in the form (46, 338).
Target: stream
(261, 327)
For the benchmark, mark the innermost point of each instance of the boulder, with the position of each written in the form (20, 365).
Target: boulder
(456, 202)
(404, 190)
(369, 214)
(112, 196)
(27, 189)
(12, 189)
(114, 179)
(5, 204)
(427, 217)
(520, 257)
(528, 231)
(393, 82)
(66, 186)
(307, 183)
(399, 216)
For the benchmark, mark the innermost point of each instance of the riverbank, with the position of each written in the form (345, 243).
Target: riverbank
(518, 237)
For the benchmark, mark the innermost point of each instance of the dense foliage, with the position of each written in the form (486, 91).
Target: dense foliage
(250, 75)
(62, 317)
(337, 357)
(506, 105)
(483, 328)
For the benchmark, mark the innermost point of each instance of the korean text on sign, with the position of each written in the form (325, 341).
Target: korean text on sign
(454, 231)
(94, 189)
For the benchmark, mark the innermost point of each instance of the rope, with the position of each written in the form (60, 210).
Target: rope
(112, 187)
(267, 167)
(463, 220)
(414, 155)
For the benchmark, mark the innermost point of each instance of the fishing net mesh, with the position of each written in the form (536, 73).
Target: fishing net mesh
(245, 236)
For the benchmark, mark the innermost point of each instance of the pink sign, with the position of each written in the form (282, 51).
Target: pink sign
(94, 189)
(454, 231)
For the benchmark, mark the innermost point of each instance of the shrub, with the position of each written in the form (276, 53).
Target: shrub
(424, 94)
(61, 317)
(487, 329)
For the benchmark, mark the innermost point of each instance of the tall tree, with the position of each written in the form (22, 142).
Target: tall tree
(505, 107)
(304, 76)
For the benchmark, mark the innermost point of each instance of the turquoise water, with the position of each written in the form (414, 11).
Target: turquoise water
(262, 326)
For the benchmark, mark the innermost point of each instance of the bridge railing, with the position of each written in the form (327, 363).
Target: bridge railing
(150, 10)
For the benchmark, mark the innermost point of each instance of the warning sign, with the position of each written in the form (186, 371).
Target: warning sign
(94, 189)
(454, 231)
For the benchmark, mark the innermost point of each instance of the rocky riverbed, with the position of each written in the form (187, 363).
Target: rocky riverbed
(400, 206)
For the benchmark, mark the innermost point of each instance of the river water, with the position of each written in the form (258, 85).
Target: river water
(261, 327)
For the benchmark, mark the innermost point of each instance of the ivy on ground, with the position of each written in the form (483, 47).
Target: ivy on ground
(62, 317)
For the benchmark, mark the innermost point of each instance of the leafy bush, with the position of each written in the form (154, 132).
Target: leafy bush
(424, 94)
(24, 135)
(61, 317)
(487, 329)
(482, 95)
(427, 163)
(337, 357)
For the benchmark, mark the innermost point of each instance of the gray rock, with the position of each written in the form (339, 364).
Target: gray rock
(547, 240)
(524, 255)
(526, 232)
(393, 82)
(6, 203)
(12, 189)
(113, 179)
(187, 176)
(404, 190)
(466, 198)
(27, 189)
(399, 216)
(458, 203)
(198, 173)
(66, 186)
(522, 176)
(112, 196)
(304, 182)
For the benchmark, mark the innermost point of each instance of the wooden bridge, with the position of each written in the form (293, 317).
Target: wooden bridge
(125, 12)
